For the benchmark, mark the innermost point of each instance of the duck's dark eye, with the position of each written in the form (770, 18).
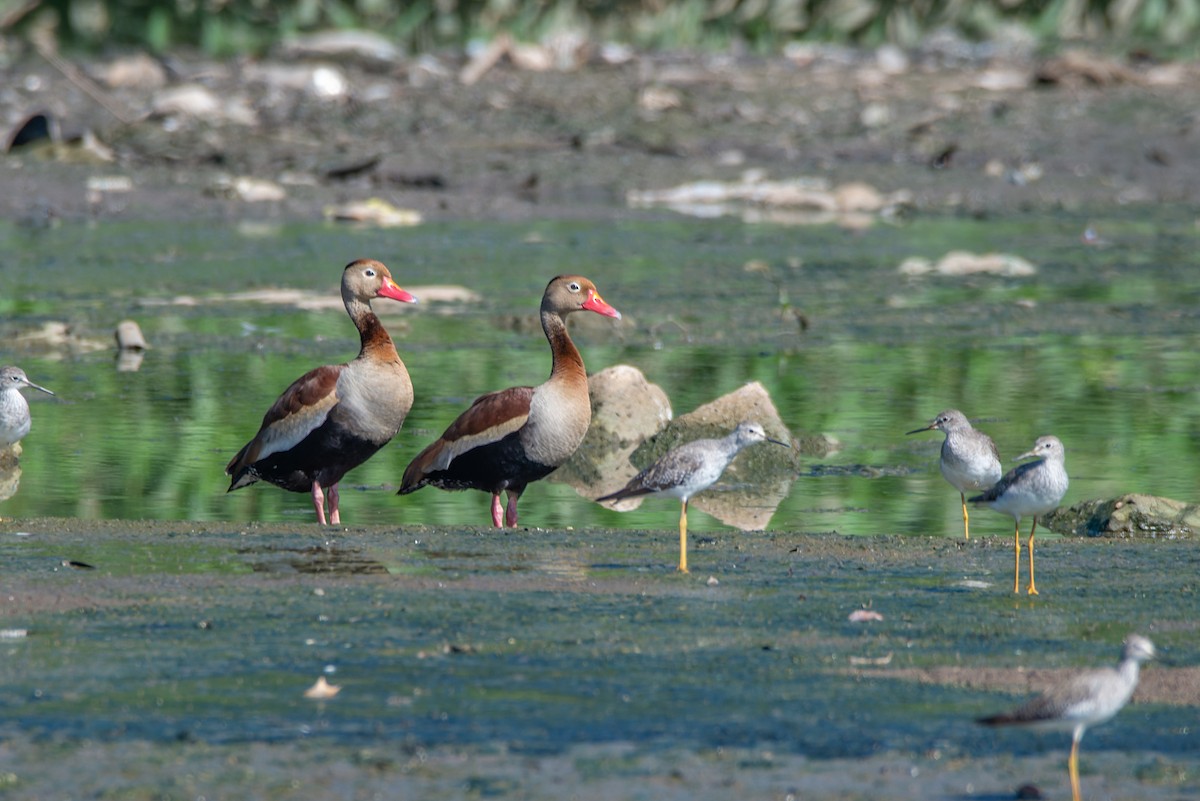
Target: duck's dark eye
(574, 286)
(369, 273)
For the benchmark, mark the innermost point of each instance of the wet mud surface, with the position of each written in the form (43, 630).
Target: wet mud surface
(561, 663)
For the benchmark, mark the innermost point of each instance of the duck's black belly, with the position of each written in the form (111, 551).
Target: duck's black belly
(500, 465)
(325, 455)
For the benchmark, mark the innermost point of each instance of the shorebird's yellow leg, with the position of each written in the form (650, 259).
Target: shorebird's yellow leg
(683, 568)
(1073, 770)
(1017, 569)
(966, 520)
(1032, 588)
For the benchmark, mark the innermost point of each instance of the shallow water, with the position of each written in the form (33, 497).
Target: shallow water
(1099, 348)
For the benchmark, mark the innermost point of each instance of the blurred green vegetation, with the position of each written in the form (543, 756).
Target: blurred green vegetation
(1102, 348)
(226, 27)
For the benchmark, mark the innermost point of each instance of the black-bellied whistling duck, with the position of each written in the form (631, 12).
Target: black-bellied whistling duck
(334, 418)
(509, 438)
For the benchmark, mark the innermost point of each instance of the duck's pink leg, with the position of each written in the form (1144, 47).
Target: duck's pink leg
(510, 514)
(334, 517)
(497, 512)
(318, 499)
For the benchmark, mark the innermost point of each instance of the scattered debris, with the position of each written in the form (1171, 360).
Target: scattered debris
(960, 262)
(100, 187)
(137, 71)
(973, 584)
(864, 616)
(1076, 68)
(54, 336)
(322, 690)
(195, 101)
(762, 200)
(659, 98)
(374, 211)
(248, 190)
(366, 47)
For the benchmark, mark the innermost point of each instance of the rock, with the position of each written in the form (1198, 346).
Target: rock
(626, 405)
(626, 411)
(10, 471)
(1127, 516)
(54, 337)
(717, 418)
(129, 336)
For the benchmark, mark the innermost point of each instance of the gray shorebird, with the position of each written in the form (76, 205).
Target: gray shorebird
(689, 469)
(1030, 489)
(1087, 699)
(14, 409)
(969, 461)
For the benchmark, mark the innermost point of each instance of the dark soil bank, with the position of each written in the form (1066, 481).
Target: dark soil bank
(963, 132)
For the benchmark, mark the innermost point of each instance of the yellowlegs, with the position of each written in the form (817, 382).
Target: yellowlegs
(1087, 699)
(690, 469)
(14, 409)
(1033, 488)
(970, 461)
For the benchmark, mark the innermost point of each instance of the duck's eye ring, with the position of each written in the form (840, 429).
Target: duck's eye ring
(574, 286)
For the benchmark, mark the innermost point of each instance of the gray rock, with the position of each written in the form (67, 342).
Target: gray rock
(1127, 516)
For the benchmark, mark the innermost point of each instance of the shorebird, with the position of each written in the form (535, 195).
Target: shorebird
(334, 418)
(14, 409)
(1033, 488)
(514, 436)
(1087, 699)
(691, 469)
(969, 461)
